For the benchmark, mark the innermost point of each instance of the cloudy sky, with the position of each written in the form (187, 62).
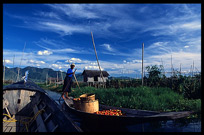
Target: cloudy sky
(52, 34)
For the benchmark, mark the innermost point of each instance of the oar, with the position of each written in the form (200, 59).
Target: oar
(66, 87)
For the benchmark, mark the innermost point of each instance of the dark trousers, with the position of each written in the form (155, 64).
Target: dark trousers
(67, 84)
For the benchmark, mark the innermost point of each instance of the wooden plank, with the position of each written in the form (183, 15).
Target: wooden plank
(49, 115)
(9, 96)
(55, 128)
(5, 124)
(39, 121)
(4, 128)
(8, 129)
(22, 96)
(15, 100)
(13, 129)
(7, 111)
(11, 124)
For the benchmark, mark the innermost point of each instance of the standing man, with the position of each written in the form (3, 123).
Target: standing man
(68, 81)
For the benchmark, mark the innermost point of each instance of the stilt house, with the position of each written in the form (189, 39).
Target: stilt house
(93, 77)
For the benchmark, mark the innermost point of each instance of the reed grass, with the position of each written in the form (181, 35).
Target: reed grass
(145, 98)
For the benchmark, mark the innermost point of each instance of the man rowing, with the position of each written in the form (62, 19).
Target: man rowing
(68, 81)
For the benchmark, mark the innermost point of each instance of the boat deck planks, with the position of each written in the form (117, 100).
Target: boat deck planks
(69, 102)
(13, 126)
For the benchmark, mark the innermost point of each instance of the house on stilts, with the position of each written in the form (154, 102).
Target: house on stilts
(94, 77)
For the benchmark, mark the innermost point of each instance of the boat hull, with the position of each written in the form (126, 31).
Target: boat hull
(132, 116)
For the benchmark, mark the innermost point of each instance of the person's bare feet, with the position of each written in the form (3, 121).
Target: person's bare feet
(63, 97)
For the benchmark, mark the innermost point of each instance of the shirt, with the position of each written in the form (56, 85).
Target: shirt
(69, 71)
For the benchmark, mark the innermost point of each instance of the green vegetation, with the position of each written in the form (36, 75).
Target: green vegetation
(188, 86)
(145, 98)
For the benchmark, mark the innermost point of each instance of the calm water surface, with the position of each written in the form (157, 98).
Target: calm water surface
(179, 125)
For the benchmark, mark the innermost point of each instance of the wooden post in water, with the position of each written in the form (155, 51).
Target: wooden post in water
(142, 62)
(180, 68)
(62, 77)
(171, 67)
(13, 60)
(46, 78)
(57, 79)
(193, 69)
(18, 74)
(190, 71)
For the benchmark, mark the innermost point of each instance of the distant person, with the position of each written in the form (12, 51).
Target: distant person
(68, 81)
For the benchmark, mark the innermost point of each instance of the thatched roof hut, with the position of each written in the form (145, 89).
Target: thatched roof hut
(94, 76)
(93, 73)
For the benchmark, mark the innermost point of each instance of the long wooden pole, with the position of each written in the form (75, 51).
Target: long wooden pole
(193, 69)
(163, 66)
(97, 57)
(20, 63)
(171, 67)
(142, 63)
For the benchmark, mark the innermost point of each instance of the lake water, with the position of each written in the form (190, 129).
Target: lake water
(179, 125)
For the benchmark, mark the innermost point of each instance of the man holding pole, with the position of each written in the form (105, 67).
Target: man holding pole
(68, 81)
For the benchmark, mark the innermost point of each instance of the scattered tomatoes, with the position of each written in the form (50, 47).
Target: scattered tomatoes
(110, 112)
(76, 99)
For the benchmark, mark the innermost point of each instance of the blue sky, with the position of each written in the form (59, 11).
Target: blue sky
(54, 33)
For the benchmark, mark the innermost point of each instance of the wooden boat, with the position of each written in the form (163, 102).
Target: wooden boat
(132, 116)
(28, 108)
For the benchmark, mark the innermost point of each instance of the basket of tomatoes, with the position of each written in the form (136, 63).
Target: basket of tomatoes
(110, 112)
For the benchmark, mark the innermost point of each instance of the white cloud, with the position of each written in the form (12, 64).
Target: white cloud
(31, 61)
(93, 68)
(68, 50)
(8, 61)
(45, 52)
(75, 10)
(185, 58)
(42, 62)
(75, 60)
(38, 65)
(192, 25)
(137, 61)
(47, 14)
(108, 47)
(186, 46)
(64, 29)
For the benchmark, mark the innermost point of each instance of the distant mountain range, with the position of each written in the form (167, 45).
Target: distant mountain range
(39, 74)
(36, 74)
